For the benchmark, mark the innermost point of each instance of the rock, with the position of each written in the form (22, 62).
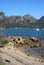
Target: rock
(34, 39)
(1, 45)
(7, 61)
(18, 40)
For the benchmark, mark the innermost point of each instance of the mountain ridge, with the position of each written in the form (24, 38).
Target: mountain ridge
(21, 21)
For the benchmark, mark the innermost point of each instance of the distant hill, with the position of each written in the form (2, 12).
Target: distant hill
(21, 21)
(41, 22)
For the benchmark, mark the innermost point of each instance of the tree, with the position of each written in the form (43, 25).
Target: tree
(2, 15)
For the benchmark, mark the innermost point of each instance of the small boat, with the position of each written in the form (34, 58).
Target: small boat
(37, 29)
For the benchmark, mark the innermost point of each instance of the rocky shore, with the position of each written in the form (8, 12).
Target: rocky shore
(17, 41)
(16, 50)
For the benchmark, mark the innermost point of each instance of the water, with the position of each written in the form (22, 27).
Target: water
(27, 32)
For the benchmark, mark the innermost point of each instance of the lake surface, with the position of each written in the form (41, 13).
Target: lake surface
(27, 32)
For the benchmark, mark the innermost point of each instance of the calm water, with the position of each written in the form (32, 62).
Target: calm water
(28, 32)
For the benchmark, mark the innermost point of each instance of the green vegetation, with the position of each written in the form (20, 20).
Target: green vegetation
(1, 63)
(4, 42)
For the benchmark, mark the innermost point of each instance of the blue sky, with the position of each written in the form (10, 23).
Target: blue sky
(22, 7)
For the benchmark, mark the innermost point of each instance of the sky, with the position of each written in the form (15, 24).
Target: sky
(22, 7)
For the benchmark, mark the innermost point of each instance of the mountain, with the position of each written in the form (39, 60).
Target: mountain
(20, 21)
(41, 19)
(41, 22)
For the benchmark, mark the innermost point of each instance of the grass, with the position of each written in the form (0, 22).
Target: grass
(1, 63)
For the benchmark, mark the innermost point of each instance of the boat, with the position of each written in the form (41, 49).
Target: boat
(37, 29)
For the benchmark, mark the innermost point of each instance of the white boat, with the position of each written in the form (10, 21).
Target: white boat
(37, 29)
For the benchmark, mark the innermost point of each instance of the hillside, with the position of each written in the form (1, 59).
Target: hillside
(41, 22)
(21, 21)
